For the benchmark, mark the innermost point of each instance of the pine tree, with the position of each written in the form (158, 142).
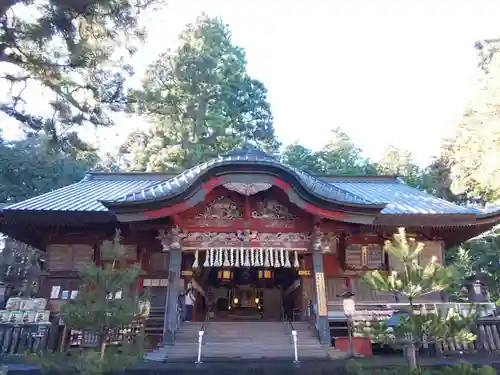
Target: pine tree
(412, 281)
(106, 303)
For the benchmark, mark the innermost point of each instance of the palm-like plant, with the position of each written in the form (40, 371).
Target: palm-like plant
(412, 281)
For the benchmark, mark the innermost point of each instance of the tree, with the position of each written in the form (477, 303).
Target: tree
(413, 281)
(471, 154)
(200, 102)
(341, 156)
(106, 303)
(338, 157)
(480, 256)
(399, 162)
(301, 157)
(29, 168)
(76, 52)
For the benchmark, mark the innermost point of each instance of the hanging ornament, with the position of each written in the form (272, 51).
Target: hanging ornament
(271, 257)
(247, 258)
(277, 258)
(252, 257)
(212, 257)
(217, 258)
(287, 259)
(258, 257)
(226, 258)
(195, 263)
(282, 257)
(266, 261)
(231, 257)
(296, 263)
(237, 260)
(207, 259)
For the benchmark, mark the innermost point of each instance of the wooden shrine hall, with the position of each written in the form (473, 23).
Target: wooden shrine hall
(256, 238)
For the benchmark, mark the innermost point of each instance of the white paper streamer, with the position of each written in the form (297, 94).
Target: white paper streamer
(271, 257)
(276, 259)
(195, 263)
(266, 260)
(282, 257)
(252, 257)
(247, 258)
(257, 260)
(218, 257)
(207, 259)
(287, 259)
(212, 257)
(231, 257)
(237, 260)
(226, 258)
(296, 260)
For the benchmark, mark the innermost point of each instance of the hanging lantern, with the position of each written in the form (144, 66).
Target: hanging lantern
(265, 274)
(225, 275)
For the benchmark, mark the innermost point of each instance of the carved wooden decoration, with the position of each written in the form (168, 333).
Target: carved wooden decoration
(277, 214)
(237, 239)
(247, 189)
(220, 213)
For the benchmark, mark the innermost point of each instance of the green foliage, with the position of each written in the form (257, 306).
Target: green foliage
(96, 308)
(471, 153)
(465, 369)
(356, 367)
(200, 102)
(106, 302)
(338, 157)
(480, 256)
(414, 280)
(29, 168)
(77, 52)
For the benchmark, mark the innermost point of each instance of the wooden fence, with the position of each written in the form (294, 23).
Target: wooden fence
(33, 338)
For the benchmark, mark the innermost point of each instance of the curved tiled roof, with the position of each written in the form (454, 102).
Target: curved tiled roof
(244, 156)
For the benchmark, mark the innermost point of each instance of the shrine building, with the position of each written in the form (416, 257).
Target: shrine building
(256, 238)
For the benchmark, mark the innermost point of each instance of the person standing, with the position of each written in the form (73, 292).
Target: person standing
(189, 300)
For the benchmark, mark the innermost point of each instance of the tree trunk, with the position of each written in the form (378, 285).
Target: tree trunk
(411, 356)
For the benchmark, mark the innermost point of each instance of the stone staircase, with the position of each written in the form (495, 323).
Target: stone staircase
(244, 340)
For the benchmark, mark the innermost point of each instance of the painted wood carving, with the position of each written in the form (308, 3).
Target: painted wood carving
(219, 213)
(247, 238)
(274, 212)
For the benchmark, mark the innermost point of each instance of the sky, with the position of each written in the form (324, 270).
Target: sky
(384, 71)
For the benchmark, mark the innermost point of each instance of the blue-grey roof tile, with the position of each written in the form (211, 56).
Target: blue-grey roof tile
(245, 155)
(400, 198)
(86, 194)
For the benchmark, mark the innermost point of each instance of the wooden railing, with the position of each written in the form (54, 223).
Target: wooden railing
(487, 329)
